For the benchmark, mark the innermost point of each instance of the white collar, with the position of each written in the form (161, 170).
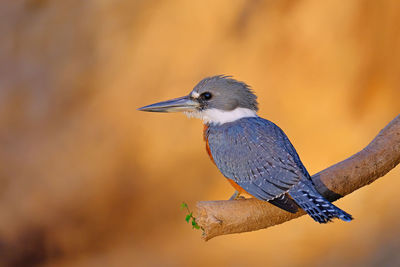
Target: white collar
(218, 116)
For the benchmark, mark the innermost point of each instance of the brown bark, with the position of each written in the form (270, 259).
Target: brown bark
(244, 215)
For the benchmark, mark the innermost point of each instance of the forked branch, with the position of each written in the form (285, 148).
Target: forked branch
(235, 216)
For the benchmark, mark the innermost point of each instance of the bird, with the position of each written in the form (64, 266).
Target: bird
(253, 153)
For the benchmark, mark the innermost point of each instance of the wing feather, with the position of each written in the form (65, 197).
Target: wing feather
(257, 155)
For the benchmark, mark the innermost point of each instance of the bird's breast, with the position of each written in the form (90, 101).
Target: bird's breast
(205, 137)
(233, 183)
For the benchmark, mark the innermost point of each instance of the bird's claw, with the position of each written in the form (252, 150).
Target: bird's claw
(236, 196)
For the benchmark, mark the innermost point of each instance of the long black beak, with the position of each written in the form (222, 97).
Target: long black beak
(180, 104)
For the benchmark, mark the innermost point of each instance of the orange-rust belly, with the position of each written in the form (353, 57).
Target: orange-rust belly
(235, 185)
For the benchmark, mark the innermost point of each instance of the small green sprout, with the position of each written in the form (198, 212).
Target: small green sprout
(190, 216)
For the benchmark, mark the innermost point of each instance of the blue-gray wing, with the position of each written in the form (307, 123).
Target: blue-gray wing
(257, 155)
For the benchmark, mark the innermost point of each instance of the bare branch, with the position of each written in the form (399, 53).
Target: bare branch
(236, 216)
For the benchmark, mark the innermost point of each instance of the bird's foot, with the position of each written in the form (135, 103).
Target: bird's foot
(236, 196)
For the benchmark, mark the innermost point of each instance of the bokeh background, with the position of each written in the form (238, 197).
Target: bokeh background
(86, 180)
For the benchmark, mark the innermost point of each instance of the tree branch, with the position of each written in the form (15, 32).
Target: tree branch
(237, 216)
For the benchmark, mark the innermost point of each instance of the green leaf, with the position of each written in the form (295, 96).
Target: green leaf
(187, 218)
(195, 225)
(184, 205)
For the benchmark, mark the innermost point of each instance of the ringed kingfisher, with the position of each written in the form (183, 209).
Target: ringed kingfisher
(253, 153)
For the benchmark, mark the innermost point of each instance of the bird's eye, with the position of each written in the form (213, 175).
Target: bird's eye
(206, 96)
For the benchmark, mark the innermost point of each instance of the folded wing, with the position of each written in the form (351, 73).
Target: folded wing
(257, 155)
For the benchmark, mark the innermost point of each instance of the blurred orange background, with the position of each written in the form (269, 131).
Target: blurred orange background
(86, 180)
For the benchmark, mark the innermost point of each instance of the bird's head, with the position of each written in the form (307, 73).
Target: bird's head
(217, 99)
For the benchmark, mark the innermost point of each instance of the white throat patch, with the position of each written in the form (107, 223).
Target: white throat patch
(221, 116)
